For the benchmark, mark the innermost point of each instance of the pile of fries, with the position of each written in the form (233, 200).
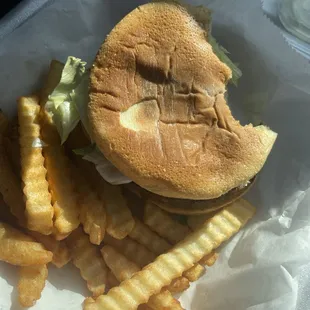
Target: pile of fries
(57, 209)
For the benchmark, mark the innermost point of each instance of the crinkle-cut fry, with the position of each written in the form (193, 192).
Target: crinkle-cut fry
(124, 269)
(210, 259)
(39, 210)
(31, 284)
(92, 214)
(133, 250)
(10, 187)
(64, 196)
(173, 231)
(86, 257)
(4, 122)
(53, 78)
(120, 221)
(92, 209)
(144, 235)
(194, 273)
(19, 249)
(178, 285)
(162, 223)
(152, 278)
(60, 250)
(196, 221)
(93, 217)
(142, 256)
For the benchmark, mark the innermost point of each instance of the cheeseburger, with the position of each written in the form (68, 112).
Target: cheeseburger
(154, 106)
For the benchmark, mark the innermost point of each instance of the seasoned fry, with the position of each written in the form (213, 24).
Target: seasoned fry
(39, 211)
(61, 254)
(10, 187)
(143, 284)
(52, 80)
(142, 256)
(31, 284)
(119, 219)
(142, 234)
(64, 196)
(124, 269)
(86, 257)
(20, 249)
(162, 223)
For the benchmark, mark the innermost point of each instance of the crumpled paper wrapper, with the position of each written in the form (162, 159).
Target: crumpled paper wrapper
(266, 266)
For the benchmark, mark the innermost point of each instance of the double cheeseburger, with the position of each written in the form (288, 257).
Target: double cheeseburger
(158, 112)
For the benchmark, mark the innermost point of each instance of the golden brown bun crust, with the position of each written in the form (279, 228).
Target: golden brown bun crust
(158, 112)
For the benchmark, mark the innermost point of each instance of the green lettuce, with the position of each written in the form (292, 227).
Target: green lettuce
(61, 103)
(221, 53)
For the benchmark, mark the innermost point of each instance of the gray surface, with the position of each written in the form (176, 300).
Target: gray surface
(20, 14)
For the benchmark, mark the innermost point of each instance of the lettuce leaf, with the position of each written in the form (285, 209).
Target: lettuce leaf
(221, 53)
(61, 102)
(80, 98)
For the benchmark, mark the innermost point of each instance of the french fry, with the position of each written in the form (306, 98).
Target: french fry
(142, 256)
(161, 222)
(119, 219)
(92, 214)
(19, 249)
(209, 260)
(194, 273)
(133, 250)
(93, 217)
(144, 235)
(10, 187)
(31, 284)
(39, 211)
(196, 221)
(52, 80)
(124, 269)
(86, 257)
(178, 285)
(61, 254)
(152, 278)
(64, 196)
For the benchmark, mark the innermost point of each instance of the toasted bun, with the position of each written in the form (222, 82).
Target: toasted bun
(158, 111)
